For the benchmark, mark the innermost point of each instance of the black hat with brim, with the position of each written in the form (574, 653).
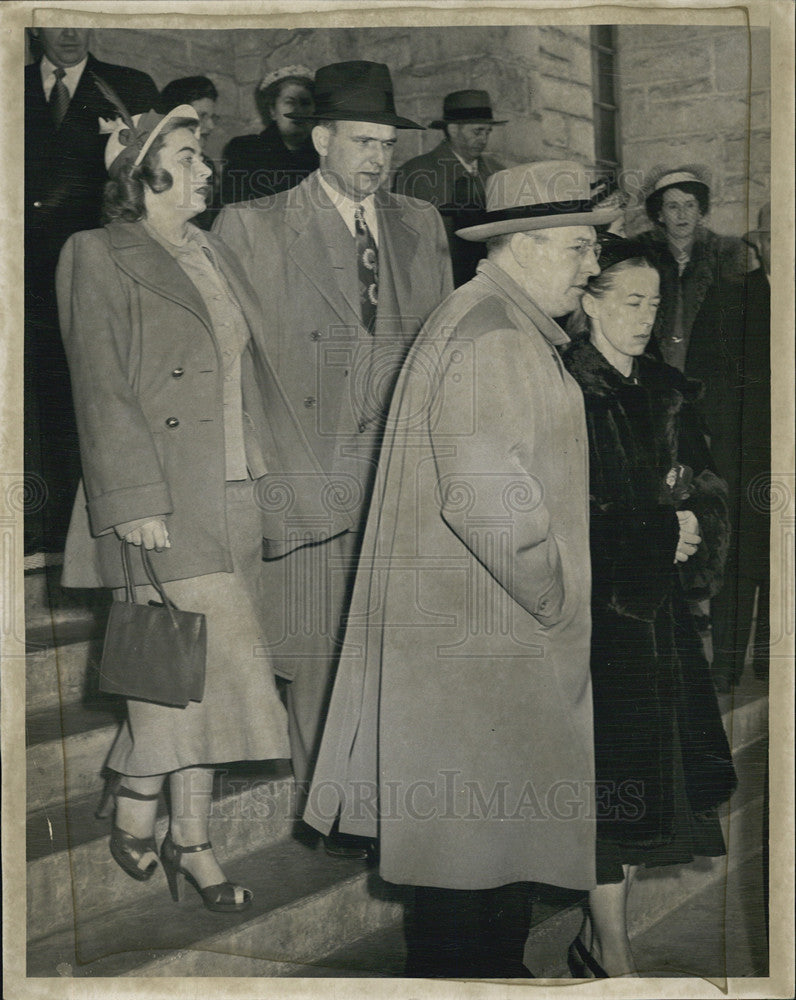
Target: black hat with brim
(356, 91)
(467, 107)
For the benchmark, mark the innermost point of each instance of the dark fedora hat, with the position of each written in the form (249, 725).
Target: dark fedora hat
(356, 91)
(464, 107)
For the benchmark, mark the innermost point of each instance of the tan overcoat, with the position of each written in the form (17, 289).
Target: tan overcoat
(147, 379)
(460, 728)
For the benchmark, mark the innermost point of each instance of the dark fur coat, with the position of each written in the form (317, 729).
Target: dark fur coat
(650, 677)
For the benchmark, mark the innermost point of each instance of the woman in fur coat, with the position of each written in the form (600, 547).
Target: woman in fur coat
(658, 527)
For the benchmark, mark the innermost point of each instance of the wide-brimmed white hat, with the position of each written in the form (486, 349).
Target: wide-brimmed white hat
(549, 194)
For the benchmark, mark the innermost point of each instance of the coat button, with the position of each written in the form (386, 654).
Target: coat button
(362, 425)
(178, 373)
(172, 422)
(309, 401)
(37, 204)
(315, 335)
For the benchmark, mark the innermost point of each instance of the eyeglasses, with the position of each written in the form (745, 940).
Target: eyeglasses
(582, 247)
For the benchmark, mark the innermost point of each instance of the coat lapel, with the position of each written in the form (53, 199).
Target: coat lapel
(150, 265)
(397, 255)
(321, 246)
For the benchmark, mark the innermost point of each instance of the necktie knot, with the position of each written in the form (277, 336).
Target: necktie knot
(59, 72)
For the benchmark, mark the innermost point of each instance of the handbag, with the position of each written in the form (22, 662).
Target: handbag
(153, 652)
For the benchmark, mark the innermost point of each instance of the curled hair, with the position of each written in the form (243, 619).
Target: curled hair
(186, 90)
(123, 198)
(701, 192)
(577, 325)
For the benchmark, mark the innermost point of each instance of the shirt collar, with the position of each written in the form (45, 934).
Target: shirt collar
(347, 207)
(196, 239)
(72, 74)
(471, 168)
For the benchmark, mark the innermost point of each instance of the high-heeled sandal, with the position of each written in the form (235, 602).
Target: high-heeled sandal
(224, 897)
(582, 964)
(130, 852)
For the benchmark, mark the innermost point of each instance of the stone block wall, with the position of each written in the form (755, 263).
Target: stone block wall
(700, 94)
(686, 94)
(538, 77)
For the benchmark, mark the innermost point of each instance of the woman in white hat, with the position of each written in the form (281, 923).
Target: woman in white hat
(690, 258)
(170, 380)
(282, 155)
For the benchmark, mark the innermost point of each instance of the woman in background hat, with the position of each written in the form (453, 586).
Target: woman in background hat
(690, 258)
(282, 155)
(662, 763)
(169, 373)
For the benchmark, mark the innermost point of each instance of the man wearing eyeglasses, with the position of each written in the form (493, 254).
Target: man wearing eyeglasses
(460, 727)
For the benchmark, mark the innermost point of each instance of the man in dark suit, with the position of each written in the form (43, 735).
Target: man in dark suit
(453, 174)
(347, 273)
(64, 179)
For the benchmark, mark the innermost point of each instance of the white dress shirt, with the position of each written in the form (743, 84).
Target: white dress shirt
(72, 76)
(347, 207)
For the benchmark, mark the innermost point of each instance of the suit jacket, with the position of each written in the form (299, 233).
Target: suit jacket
(463, 691)
(147, 377)
(301, 258)
(64, 167)
(439, 176)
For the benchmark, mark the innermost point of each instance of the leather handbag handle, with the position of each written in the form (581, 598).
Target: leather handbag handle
(151, 576)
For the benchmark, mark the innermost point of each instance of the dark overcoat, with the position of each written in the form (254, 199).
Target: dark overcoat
(648, 669)
(715, 261)
(460, 729)
(64, 166)
(147, 377)
(440, 177)
(256, 166)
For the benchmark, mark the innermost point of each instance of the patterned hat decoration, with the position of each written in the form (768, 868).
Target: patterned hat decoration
(130, 136)
(296, 71)
(129, 142)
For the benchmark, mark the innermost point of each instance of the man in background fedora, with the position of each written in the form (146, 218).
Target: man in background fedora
(452, 175)
(347, 274)
(464, 681)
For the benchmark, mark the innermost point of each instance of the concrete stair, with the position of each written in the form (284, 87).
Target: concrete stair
(312, 915)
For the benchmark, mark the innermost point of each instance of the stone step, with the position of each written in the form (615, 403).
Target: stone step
(306, 904)
(71, 875)
(657, 892)
(62, 664)
(557, 914)
(306, 915)
(66, 750)
(46, 601)
(717, 933)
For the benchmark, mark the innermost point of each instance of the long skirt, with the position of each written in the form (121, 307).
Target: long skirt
(241, 716)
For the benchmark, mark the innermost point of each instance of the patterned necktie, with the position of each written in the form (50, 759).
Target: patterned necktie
(368, 270)
(59, 97)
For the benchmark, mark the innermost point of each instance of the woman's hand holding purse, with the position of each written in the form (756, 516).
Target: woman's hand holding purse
(151, 532)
